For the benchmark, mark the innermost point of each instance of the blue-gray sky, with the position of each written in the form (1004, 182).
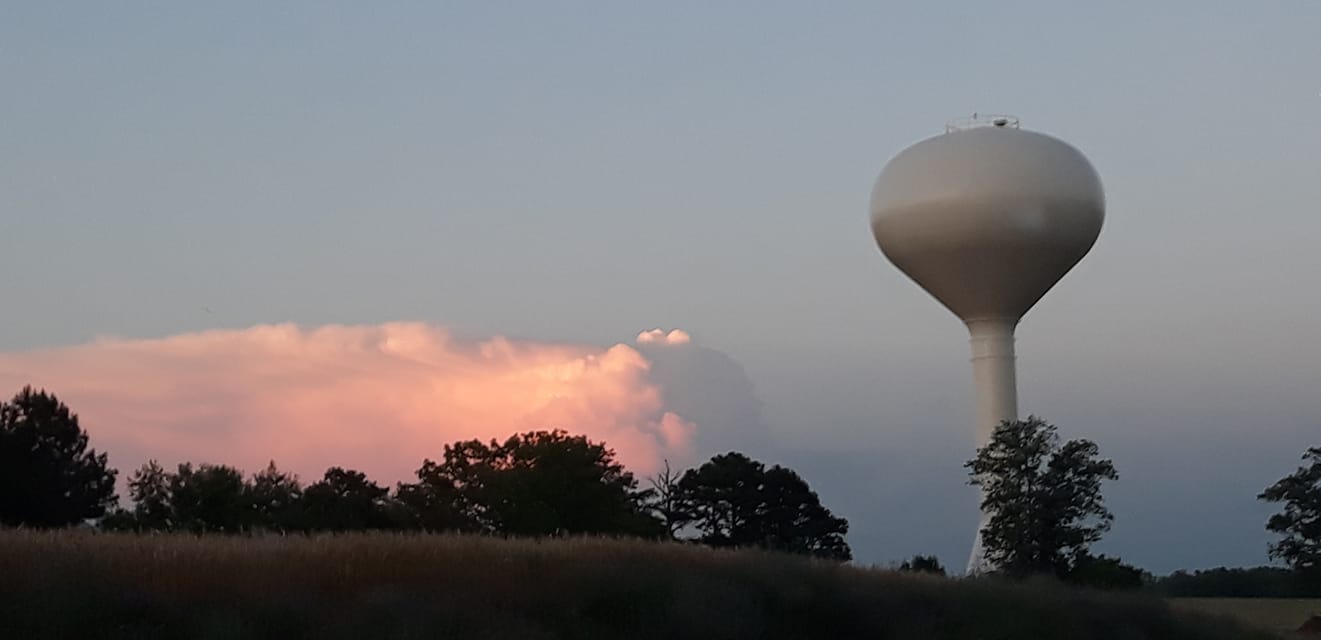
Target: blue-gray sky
(581, 171)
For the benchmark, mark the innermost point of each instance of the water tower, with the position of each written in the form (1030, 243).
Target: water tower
(987, 218)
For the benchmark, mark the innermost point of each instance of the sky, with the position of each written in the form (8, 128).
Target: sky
(235, 228)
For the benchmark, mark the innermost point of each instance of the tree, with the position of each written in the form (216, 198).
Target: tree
(48, 475)
(149, 490)
(1044, 498)
(1104, 572)
(1239, 582)
(1299, 525)
(435, 502)
(923, 564)
(209, 498)
(668, 502)
(149, 487)
(738, 502)
(534, 483)
(276, 499)
(345, 500)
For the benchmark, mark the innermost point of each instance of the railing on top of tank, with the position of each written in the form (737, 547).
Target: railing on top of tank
(978, 120)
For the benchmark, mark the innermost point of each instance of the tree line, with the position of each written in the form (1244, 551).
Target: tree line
(538, 483)
(1225, 582)
(1043, 496)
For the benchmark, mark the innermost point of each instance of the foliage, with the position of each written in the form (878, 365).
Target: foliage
(48, 475)
(434, 503)
(1104, 572)
(67, 585)
(1044, 498)
(153, 506)
(535, 483)
(209, 498)
(1224, 582)
(276, 500)
(1299, 524)
(739, 502)
(345, 500)
(923, 564)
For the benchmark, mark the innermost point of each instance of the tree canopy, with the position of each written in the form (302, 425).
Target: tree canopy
(209, 498)
(1299, 524)
(735, 501)
(1237, 582)
(1105, 572)
(534, 483)
(923, 564)
(49, 477)
(1043, 497)
(153, 504)
(345, 500)
(276, 499)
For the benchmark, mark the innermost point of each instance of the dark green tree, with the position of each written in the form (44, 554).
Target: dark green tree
(1104, 572)
(149, 490)
(149, 487)
(275, 498)
(209, 498)
(436, 502)
(345, 500)
(48, 475)
(118, 519)
(1299, 524)
(1239, 582)
(1044, 498)
(537, 483)
(923, 564)
(738, 502)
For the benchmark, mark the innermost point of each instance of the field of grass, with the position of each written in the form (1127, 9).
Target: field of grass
(1281, 615)
(86, 585)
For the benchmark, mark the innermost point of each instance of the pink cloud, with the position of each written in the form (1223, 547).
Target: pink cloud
(376, 398)
(659, 336)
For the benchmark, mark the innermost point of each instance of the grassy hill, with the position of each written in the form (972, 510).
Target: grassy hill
(87, 585)
(1282, 615)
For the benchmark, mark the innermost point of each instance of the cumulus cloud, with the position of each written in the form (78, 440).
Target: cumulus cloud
(711, 388)
(658, 336)
(376, 398)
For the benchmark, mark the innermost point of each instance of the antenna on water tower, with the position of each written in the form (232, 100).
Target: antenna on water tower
(987, 218)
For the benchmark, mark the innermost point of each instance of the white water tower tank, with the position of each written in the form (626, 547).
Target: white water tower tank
(987, 218)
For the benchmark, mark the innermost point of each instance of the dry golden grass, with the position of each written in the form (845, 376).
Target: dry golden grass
(88, 585)
(1281, 615)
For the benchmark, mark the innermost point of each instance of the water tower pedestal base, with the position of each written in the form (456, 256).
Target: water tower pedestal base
(997, 397)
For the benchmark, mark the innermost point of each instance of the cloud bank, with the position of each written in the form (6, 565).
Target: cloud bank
(376, 398)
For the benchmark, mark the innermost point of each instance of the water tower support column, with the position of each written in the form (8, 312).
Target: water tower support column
(997, 396)
(993, 374)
